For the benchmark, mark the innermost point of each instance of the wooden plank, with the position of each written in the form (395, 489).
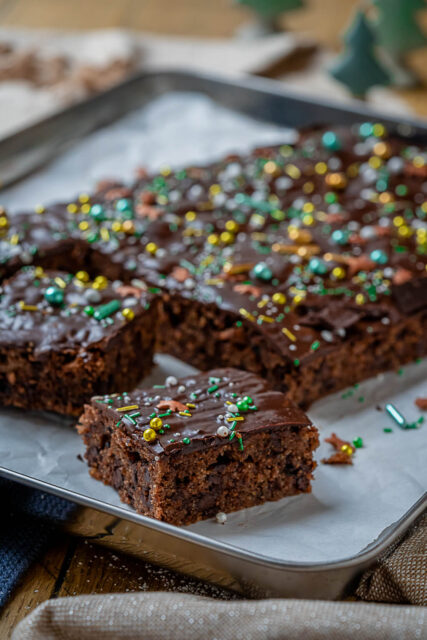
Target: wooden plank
(97, 570)
(36, 586)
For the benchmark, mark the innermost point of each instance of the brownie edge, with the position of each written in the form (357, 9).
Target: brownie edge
(182, 452)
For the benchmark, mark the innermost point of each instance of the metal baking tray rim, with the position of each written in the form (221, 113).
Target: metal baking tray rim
(367, 556)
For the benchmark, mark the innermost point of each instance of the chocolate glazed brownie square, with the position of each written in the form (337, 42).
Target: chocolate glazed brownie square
(186, 450)
(65, 337)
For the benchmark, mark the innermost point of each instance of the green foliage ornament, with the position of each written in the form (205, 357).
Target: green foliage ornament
(396, 27)
(272, 8)
(358, 67)
(397, 32)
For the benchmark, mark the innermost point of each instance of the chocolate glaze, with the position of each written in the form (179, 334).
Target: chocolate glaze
(274, 411)
(28, 320)
(315, 216)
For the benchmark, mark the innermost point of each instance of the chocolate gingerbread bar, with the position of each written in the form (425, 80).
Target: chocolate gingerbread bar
(188, 449)
(303, 263)
(65, 337)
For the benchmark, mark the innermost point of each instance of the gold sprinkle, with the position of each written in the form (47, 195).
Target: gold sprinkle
(321, 168)
(27, 307)
(40, 209)
(270, 167)
(231, 225)
(190, 216)
(246, 314)
(190, 405)
(289, 334)
(266, 318)
(278, 298)
(84, 197)
(14, 239)
(234, 269)
(151, 247)
(83, 276)
(346, 448)
(227, 237)
(128, 314)
(131, 407)
(187, 414)
(72, 208)
(215, 189)
(85, 208)
(60, 282)
(238, 419)
(293, 171)
(105, 234)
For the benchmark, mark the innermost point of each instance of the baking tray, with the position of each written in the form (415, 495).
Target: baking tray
(249, 570)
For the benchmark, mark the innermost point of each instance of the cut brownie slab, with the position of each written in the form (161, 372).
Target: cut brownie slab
(183, 451)
(64, 338)
(304, 263)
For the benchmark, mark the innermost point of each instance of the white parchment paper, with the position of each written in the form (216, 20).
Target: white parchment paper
(350, 505)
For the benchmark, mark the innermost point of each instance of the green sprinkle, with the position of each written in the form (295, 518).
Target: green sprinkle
(88, 310)
(395, 415)
(167, 426)
(361, 399)
(186, 440)
(358, 443)
(241, 447)
(213, 388)
(315, 345)
(296, 362)
(232, 434)
(164, 415)
(387, 430)
(106, 310)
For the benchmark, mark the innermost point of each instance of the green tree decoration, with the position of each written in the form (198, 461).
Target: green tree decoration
(398, 32)
(358, 68)
(268, 12)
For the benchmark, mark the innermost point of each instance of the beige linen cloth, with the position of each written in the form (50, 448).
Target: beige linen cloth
(399, 577)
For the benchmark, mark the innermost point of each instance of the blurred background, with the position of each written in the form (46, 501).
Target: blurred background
(92, 44)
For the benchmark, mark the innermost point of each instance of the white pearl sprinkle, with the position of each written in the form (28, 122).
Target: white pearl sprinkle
(181, 388)
(221, 517)
(222, 431)
(232, 408)
(171, 381)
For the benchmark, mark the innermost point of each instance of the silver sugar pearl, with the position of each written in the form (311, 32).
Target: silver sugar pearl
(171, 381)
(222, 431)
(221, 517)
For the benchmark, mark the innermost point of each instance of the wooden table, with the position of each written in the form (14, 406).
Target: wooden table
(73, 566)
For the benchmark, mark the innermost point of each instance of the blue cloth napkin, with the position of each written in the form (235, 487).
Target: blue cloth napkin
(29, 520)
